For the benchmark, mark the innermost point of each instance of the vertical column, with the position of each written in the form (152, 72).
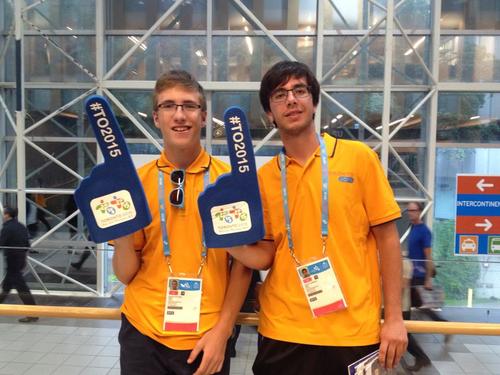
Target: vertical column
(20, 112)
(431, 133)
(101, 257)
(208, 94)
(319, 57)
(386, 113)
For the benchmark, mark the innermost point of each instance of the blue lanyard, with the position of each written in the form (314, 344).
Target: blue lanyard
(324, 198)
(163, 217)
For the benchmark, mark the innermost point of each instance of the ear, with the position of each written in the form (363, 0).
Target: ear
(203, 118)
(270, 118)
(155, 119)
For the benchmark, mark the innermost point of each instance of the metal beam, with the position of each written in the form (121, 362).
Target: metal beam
(386, 111)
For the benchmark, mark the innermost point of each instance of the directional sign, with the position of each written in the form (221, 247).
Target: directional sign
(477, 224)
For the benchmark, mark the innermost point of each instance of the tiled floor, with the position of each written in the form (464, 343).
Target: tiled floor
(90, 347)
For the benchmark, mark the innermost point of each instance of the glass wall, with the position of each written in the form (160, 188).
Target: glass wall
(430, 118)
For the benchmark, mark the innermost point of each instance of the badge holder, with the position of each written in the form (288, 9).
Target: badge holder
(182, 303)
(321, 287)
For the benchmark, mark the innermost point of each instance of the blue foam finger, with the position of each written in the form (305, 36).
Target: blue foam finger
(111, 198)
(231, 209)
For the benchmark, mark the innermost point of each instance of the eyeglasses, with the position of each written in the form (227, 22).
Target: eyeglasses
(299, 91)
(177, 194)
(172, 107)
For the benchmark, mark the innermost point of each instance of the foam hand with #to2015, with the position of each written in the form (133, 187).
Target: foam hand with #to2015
(231, 209)
(111, 199)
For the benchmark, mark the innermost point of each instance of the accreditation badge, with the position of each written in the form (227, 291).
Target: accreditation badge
(182, 304)
(321, 287)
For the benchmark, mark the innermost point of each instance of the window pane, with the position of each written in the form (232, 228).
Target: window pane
(157, 55)
(407, 69)
(62, 15)
(142, 14)
(274, 14)
(414, 14)
(79, 158)
(69, 123)
(469, 58)
(6, 126)
(470, 14)
(469, 117)
(365, 65)
(482, 278)
(249, 102)
(248, 58)
(367, 106)
(140, 105)
(402, 182)
(354, 15)
(45, 63)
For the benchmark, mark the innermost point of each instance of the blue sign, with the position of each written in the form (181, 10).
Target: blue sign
(477, 224)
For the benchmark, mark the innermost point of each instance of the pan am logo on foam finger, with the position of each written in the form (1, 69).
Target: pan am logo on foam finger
(112, 209)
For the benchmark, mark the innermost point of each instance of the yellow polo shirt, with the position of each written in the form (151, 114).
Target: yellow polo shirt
(359, 197)
(144, 302)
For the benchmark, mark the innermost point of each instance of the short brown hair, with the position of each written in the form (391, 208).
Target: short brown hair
(175, 78)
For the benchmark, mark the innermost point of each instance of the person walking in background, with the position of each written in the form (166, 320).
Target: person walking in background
(420, 253)
(421, 359)
(69, 208)
(41, 202)
(14, 242)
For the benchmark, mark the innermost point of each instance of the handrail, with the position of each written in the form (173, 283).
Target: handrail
(252, 319)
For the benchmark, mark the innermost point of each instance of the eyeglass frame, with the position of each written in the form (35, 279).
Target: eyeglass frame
(179, 187)
(293, 89)
(172, 107)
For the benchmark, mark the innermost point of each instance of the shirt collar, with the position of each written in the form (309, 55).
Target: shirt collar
(331, 146)
(200, 164)
(330, 143)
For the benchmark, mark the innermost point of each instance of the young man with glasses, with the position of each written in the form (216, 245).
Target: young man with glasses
(181, 299)
(328, 209)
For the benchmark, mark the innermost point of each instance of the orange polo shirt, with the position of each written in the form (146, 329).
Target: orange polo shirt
(144, 302)
(359, 197)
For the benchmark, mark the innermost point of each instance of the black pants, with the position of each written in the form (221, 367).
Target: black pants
(413, 347)
(141, 355)
(14, 280)
(287, 358)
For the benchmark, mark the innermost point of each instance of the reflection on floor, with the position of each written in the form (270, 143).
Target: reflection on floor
(90, 347)
(69, 346)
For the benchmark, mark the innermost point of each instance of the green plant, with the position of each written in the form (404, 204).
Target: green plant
(456, 274)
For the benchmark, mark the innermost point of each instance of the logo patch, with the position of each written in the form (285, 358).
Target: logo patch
(346, 179)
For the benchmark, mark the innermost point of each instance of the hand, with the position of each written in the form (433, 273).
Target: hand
(213, 345)
(428, 283)
(393, 342)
